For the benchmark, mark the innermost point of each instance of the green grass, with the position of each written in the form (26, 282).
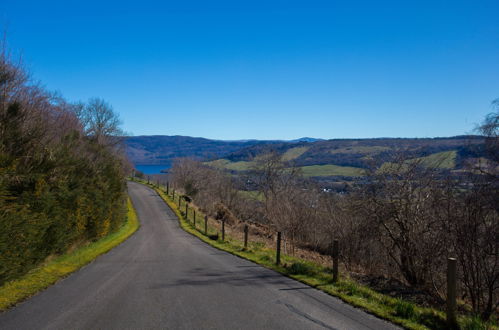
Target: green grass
(294, 153)
(403, 313)
(331, 170)
(441, 160)
(444, 160)
(360, 150)
(240, 166)
(252, 194)
(47, 274)
(228, 165)
(219, 163)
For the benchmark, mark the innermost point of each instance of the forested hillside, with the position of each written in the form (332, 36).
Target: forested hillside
(61, 172)
(162, 149)
(359, 152)
(317, 158)
(342, 159)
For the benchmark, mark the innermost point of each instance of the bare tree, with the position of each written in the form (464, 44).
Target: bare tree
(490, 130)
(286, 200)
(475, 239)
(400, 199)
(475, 225)
(100, 122)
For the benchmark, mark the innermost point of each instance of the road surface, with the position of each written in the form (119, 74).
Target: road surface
(164, 278)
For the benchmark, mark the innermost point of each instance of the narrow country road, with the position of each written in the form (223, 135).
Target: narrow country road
(164, 278)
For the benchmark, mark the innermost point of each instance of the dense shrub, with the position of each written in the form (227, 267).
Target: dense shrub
(59, 184)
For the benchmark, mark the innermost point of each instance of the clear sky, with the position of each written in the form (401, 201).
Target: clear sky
(268, 69)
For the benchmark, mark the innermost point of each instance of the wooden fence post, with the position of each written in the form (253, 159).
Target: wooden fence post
(246, 236)
(278, 249)
(206, 225)
(167, 188)
(187, 211)
(451, 293)
(179, 202)
(223, 230)
(194, 216)
(173, 195)
(336, 252)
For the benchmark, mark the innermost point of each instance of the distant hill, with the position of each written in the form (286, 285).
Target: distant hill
(306, 139)
(349, 157)
(315, 156)
(162, 149)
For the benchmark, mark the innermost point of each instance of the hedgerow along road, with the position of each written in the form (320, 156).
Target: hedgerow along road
(162, 277)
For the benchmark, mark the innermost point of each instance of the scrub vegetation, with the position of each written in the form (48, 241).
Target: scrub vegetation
(61, 172)
(397, 224)
(51, 271)
(399, 311)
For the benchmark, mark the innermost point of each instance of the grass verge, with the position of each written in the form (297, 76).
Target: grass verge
(397, 311)
(47, 274)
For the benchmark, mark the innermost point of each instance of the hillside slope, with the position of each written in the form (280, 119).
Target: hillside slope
(346, 154)
(162, 149)
(348, 157)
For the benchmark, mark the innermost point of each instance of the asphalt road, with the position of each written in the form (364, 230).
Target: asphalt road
(162, 277)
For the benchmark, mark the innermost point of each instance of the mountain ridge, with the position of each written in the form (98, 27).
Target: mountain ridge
(162, 149)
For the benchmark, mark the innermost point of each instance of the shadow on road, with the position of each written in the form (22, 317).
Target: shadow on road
(205, 277)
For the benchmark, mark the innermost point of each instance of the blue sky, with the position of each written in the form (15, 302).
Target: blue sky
(268, 69)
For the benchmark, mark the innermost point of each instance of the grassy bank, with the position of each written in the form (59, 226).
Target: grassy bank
(400, 312)
(47, 274)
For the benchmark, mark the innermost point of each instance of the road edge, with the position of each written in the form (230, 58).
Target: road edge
(47, 274)
(187, 227)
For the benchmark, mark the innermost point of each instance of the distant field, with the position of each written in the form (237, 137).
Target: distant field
(446, 159)
(294, 153)
(313, 170)
(228, 165)
(331, 170)
(359, 150)
(442, 160)
(219, 163)
(256, 195)
(240, 166)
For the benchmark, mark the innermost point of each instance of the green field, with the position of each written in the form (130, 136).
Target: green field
(441, 160)
(225, 164)
(446, 159)
(240, 166)
(219, 163)
(294, 153)
(360, 150)
(251, 194)
(308, 171)
(331, 170)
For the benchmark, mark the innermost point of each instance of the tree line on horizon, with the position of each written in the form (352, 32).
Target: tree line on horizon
(61, 171)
